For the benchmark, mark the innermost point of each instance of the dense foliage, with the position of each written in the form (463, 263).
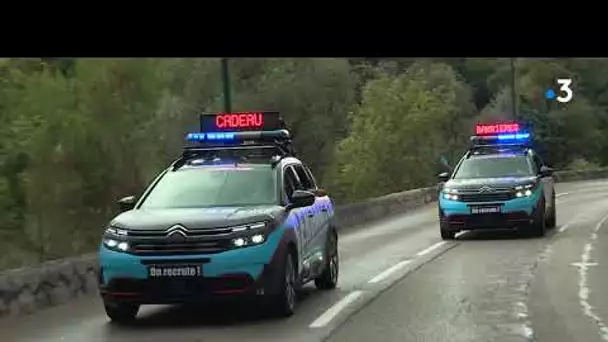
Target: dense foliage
(76, 134)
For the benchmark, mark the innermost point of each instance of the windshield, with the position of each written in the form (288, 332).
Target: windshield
(214, 187)
(513, 166)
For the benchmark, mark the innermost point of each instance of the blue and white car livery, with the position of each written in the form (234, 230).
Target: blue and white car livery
(500, 183)
(237, 214)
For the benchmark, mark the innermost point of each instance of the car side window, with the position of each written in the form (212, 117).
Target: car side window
(538, 163)
(311, 177)
(290, 182)
(307, 182)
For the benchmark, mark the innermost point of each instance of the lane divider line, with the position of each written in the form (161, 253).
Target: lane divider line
(459, 234)
(430, 249)
(334, 310)
(583, 287)
(386, 273)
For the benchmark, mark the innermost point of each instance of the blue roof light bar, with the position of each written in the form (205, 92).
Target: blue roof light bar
(237, 136)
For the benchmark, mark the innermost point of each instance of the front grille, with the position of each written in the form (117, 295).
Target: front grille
(176, 287)
(489, 220)
(485, 220)
(192, 241)
(487, 197)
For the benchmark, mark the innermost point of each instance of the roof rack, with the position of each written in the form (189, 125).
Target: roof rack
(496, 149)
(499, 146)
(273, 145)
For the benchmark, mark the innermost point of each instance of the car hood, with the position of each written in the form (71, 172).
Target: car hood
(152, 219)
(476, 183)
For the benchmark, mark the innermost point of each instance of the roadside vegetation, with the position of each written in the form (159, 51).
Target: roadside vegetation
(77, 134)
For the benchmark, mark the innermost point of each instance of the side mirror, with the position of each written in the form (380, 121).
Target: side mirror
(320, 192)
(443, 177)
(301, 198)
(127, 203)
(545, 171)
(443, 160)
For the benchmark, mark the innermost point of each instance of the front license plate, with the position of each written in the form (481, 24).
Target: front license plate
(485, 210)
(175, 271)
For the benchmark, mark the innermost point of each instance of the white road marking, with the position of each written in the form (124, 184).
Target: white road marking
(583, 264)
(386, 273)
(561, 194)
(583, 288)
(526, 325)
(563, 228)
(333, 311)
(430, 249)
(459, 234)
(528, 332)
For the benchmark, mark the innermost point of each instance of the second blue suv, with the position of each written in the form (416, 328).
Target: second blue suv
(501, 183)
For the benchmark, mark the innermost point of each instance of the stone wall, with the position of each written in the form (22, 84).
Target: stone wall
(26, 290)
(351, 215)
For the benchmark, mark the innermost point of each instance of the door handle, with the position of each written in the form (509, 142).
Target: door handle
(311, 214)
(324, 210)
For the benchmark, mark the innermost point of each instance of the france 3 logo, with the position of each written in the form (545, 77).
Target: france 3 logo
(565, 92)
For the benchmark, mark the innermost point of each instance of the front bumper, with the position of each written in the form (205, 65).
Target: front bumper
(457, 216)
(245, 272)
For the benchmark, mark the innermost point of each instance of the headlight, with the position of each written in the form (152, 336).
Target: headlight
(450, 194)
(116, 231)
(118, 245)
(525, 190)
(523, 193)
(114, 239)
(250, 235)
(527, 186)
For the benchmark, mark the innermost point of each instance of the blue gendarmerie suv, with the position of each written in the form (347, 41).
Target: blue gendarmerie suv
(500, 183)
(237, 214)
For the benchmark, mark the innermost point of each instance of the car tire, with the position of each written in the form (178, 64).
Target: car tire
(329, 278)
(446, 232)
(447, 235)
(285, 300)
(552, 219)
(538, 227)
(121, 313)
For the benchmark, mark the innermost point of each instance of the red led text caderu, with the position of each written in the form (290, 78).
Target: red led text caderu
(498, 128)
(240, 120)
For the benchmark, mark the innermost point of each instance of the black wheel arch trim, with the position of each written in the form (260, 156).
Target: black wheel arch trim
(271, 274)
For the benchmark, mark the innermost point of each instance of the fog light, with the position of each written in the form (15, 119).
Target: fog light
(258, 238)
(239, 242)
(528, 193)
(519, 194)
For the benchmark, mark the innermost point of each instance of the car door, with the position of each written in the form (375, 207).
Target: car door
(547, 181)
(303, 222)
(324, 207)
(313, 213)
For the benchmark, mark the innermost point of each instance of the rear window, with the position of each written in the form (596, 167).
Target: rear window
(504, 166)
(214, 187)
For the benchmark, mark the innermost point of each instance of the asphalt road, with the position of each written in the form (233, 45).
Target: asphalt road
(400, 282)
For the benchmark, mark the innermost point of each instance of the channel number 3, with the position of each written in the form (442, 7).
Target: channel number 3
(565, 90)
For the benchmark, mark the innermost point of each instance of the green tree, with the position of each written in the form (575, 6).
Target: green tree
(403, 126)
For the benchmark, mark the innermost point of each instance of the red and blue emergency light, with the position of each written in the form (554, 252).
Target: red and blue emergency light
(239, 126)
(501, 133)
